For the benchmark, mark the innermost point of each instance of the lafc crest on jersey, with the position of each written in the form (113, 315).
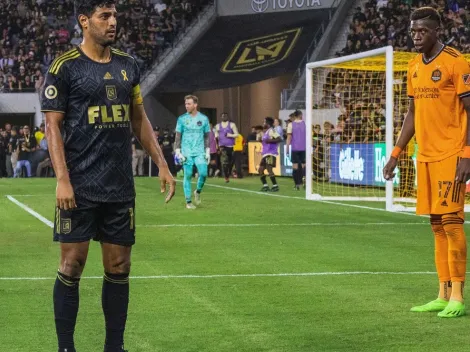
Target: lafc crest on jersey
(111, 92)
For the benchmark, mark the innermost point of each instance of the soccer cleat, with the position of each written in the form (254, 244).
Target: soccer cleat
(227, 180)
(437, 305)
(265, 189)
(197, 198)
(275, 188)
(296, 188)
(190, 206)
(454, 309)
(67, 349)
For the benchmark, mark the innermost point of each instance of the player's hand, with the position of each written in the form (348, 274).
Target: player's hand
(166, 178)
(463, 171)
(65, 197)
(179, 155)
(389, 168)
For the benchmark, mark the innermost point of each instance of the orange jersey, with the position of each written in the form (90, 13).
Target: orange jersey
(440, 118)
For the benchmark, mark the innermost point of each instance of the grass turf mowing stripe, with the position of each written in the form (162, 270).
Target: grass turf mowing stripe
(215, 276)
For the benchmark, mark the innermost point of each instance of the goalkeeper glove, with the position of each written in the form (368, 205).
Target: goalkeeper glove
(208, 156)
(180, 156)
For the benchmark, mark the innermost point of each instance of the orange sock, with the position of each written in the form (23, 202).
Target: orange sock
(440, 249)
(457, 244)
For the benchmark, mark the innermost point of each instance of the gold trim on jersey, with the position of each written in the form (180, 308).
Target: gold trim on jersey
(63, 112)
(57, 64)
(119, 52)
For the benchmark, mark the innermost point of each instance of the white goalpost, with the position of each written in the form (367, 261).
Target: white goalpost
(353, 99)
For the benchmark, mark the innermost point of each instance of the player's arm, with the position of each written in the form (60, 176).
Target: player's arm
(54, 102)
(289, 135)
(216, 134)
(178, 136)
(65, 195)
(207, 130)
(461, 81)
(463, 169)
(235, 131)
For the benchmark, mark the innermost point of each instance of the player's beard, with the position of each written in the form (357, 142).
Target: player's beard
(99, 37)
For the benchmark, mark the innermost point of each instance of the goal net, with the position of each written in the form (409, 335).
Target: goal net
(356, 106)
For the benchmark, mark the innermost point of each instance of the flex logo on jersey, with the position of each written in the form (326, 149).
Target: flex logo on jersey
(103, 115)
(466, 79)
(436, 75)
(252, 54)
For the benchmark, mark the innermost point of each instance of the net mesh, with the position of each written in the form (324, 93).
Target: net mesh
(349, 125)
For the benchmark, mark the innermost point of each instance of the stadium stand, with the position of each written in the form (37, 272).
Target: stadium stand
(385, 22)
(34, 32)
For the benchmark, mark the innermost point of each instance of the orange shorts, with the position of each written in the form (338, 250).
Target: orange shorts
(438, 193)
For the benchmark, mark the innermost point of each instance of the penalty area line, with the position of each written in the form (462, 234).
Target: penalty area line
(216, 276)
(31, 211)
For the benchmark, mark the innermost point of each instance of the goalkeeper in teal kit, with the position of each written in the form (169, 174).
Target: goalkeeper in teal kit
(192, 148)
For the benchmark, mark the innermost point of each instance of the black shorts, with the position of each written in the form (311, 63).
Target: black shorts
(105, 222)
(214, 156)
(226, 154)
(298, 157)
(268, 160)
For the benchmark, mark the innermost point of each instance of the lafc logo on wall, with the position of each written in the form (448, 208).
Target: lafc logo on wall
(111, 92)
(256, 53)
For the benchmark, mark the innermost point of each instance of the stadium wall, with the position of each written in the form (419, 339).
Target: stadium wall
(21, 103)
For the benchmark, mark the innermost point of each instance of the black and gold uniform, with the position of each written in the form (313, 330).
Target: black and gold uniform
(96, 100)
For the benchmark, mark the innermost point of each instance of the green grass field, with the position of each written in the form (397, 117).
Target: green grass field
(286, 275)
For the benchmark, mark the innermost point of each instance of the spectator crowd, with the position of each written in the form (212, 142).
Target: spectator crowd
(34, 32)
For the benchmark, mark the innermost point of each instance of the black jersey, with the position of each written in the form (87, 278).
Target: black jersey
(96, 99)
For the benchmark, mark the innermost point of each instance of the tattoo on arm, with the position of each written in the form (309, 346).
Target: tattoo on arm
(178, 140)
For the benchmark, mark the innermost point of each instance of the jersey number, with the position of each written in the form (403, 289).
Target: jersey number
(444, 183)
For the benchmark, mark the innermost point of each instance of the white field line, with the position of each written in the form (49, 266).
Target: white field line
(215, 276)
(32, 212)
(313, 224)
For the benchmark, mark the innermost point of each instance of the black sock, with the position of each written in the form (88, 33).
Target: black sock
(66, 299)
(295, 176)
(273, 180)
(263, 179)
(115, 300)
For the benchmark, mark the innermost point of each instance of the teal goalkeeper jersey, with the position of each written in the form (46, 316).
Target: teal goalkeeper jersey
(192, 131)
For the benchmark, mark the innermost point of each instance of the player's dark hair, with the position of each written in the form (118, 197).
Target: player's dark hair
(269, 121)
(88, 7)
(297, 113)
(424, 13)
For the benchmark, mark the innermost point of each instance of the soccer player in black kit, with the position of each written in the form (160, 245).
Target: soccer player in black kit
(93, 103)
